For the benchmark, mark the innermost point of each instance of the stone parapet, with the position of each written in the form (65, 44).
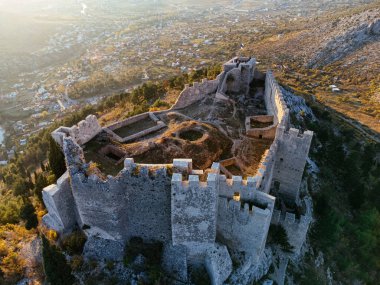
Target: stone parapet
(82, 133)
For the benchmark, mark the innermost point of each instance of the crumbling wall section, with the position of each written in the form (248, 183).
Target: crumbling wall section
(102, 246)
(198, 91)
(218, 264)
(238, 74)
(60, 204)
(296, 229)
(243, 226)
(82, 133)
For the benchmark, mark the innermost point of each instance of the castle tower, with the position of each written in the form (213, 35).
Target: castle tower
(292, 152)
(194, 210)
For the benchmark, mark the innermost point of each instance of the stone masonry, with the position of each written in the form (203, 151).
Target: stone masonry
(198, 216)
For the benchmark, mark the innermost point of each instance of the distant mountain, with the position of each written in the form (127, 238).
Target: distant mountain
(340, 49)
(324, 41)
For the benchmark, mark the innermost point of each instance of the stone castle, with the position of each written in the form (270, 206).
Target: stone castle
(200, 215)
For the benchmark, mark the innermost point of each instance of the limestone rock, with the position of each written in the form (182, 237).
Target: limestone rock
(218, 264)
(102, 246)
(374, 27)
(174, 262)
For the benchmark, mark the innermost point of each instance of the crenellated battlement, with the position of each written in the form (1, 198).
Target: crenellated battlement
(293, 149)
(275, 102)
(193, 183)
(296, 229)
(194, 209)
(242, 224)
(172, 202)
(244, 209)
(260, 182)
(289, 219)
(137, 169)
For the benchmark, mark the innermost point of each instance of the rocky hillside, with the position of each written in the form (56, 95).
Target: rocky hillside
(322, 41)
(339, 50)
(342, 37)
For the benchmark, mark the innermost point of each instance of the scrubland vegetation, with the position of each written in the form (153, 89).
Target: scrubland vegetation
(346, 202)
(42, 162)
(347, 207)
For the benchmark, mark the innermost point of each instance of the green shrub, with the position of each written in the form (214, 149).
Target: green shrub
(28, 214)
(277, 235)
(57, 271)
(74, 243)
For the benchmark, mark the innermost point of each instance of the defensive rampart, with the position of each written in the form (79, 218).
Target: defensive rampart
(244, 226)
(134, 203)
(292, 152)
(186, 209)
(198, 91)
(296, 229)
(62, 215)
(237, 75)
(82, 133)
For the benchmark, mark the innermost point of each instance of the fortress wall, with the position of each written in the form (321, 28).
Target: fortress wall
(293, 149)
(82, 133)
(100, 204)
(262, 181)
(111, 128)
(218, 264)
(274, 101)
(266, 132)
(102, 246)
(143, 200)
(237, 75)
(243, 227)
(134, 203)
(149, 200)
(128, 121)
(60, 204)
(296, 229)
(198, 91)
(194, 210)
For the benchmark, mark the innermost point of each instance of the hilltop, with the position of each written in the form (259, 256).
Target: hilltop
(337, 50)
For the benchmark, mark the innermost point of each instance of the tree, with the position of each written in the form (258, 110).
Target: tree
(28, 214)
(20, 187)
(57, 271)
(41, 183)
(278, 235)
(56, 158)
